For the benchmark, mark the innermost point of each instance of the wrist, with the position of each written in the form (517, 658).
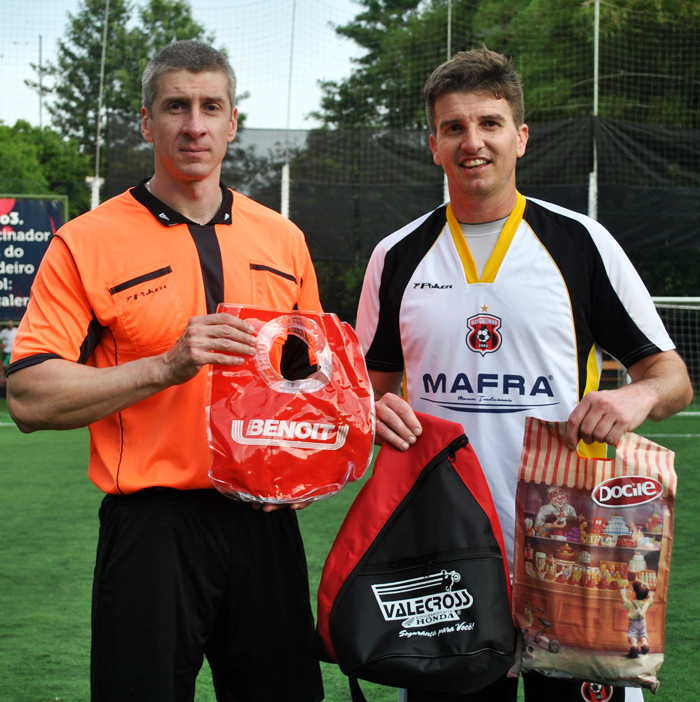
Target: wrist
(156, 373)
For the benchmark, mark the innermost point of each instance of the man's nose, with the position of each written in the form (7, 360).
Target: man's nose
(194, 125)
(472, 140)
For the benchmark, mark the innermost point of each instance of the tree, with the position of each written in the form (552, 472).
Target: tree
(129, 48)
(405, 40)
(648, 57)
(19, 164)
(161, 23)
(74, 111)
(649, 63)
(38, 161)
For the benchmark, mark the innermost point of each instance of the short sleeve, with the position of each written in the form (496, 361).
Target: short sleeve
(377, 328)
(59, 320)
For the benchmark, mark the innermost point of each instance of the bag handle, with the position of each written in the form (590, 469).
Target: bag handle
(356, 693)
(547, 458)
(311, 334)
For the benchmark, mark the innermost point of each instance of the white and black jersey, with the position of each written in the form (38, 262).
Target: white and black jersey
(524, 339)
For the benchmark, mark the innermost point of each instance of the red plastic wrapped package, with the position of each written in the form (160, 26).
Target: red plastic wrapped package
(276, 440)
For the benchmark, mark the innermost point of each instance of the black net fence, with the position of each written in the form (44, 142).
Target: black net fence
(349, 188)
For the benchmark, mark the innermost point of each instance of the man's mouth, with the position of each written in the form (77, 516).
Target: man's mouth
(472, 163)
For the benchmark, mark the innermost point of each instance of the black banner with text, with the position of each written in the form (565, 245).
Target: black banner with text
(26, 227)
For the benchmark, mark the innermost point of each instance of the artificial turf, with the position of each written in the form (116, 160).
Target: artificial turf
(48, 533)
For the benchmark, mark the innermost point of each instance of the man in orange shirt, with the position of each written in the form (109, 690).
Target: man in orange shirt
(117, 336)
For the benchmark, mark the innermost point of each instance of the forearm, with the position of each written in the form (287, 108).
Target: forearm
(666, 384)
(660, 387)
(58, 394)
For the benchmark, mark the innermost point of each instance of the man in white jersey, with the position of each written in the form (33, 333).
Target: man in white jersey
(494, 307)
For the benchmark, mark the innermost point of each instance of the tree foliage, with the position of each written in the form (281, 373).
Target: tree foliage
(39, 161)
(649, 63)
(161, 23)
(130, 45)
(405, 41)
(19, 164)
(74, 111)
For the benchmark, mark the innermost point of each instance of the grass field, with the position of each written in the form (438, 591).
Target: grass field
(48, 533)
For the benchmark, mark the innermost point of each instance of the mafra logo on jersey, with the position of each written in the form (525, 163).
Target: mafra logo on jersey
(423, 601)
(484, 336)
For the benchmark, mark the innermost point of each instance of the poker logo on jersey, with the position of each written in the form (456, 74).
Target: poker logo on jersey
(484, 336)
(595, 692)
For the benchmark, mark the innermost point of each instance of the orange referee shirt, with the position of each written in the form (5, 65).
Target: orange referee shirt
(121, 282)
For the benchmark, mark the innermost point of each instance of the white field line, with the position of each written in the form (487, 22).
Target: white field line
(4, 417)
(674, 436)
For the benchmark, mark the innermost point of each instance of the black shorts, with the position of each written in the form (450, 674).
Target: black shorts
(184, 574)
(537, 688)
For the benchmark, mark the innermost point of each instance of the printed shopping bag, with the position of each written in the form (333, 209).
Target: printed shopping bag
(592, 557)
(295, 422)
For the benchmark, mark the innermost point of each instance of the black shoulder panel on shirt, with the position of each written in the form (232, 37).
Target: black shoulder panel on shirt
(385, 353)
(92, 338)
(599, 315)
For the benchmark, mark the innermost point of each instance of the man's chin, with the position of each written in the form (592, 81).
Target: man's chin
(476, 187)
(194, 172)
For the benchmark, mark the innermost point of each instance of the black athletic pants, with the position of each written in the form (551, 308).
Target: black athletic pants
(183, 574)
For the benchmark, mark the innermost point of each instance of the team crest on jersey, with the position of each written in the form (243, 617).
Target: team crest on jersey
(484, 336)
(596, 692)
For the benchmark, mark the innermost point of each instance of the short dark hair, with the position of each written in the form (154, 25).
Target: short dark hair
(476, 71)
(640, 589)
(192, 56)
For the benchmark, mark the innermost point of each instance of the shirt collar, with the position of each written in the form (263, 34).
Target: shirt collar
(169, 217)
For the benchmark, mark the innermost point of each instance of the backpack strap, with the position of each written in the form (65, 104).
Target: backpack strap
(355, 690)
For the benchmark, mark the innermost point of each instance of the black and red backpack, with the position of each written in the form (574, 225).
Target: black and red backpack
(415, 592)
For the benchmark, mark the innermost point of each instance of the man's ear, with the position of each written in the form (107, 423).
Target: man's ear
(523, 136)
(234, 125)
(146, 125)
(434, 149)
